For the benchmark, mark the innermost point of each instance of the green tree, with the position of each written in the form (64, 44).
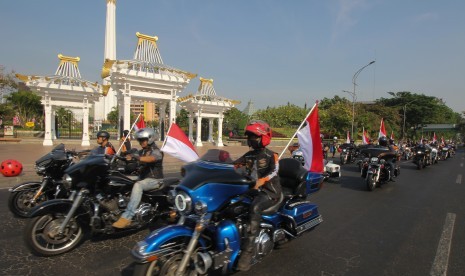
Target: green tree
(234, 120)
(26, 104)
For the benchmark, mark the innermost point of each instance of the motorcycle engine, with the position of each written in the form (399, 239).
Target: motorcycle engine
(145, 213)
(264, 243)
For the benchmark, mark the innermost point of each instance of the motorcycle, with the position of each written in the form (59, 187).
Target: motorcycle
(434, 155)
(23, 197)
(347, 153)
(407, 153)
(331, 170)
(421, 156)
(375, 168)
(99, 196)
(213, 200)
(444, 153)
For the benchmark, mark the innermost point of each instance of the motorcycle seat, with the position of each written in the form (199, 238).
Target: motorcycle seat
(273, 209)
(292, 176)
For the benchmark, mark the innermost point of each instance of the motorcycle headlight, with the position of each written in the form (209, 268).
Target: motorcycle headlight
(419, 152)
(40, 169)
(200, 208)
(67, 180)
(374, 160)
(344, 150)
(183, 202)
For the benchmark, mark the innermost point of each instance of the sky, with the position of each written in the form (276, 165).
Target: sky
(269, 52)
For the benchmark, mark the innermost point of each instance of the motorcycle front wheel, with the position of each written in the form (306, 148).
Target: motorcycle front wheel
(163, 267)
(42, 236)
(371, 182)
(20, 203)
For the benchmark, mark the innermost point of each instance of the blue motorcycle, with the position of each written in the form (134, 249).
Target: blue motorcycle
(213, 201)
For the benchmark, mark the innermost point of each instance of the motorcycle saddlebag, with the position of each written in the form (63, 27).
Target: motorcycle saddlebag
(304, 213)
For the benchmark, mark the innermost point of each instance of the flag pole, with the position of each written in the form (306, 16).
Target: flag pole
(293, 136)
(166, 138)
(125, 138)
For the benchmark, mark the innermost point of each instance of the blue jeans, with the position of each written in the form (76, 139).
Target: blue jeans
(136, 195)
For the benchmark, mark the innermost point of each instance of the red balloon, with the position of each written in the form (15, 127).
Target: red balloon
(11, 167)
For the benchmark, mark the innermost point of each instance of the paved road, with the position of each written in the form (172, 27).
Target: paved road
(414, 226)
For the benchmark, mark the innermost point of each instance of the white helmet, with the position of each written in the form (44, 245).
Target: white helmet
(146, 133)
(335, 138)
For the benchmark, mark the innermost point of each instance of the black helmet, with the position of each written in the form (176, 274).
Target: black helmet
(391, 141)
(125, 132)
(383, 141)
(103, 134)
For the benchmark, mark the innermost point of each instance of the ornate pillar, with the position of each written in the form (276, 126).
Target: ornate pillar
(161, 120)
(198, 140)
(191, 123)
(48, 121)
(220, 130)
(172, 108)
(210, 130)
(127, 106)
(85, 123)
(53, 129)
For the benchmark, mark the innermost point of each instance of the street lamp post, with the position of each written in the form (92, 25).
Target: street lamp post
(403, 127)
(354, 95)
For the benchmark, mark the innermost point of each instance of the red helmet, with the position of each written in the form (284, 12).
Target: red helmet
(261, 129)
(11, 167)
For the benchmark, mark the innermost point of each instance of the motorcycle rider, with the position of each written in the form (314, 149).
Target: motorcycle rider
(126, 140)
(261, 164)
(383, 142)
(151, 172)
(104, 147)
(334, 146)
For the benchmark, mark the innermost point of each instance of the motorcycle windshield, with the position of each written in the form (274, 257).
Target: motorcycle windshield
(91, 161)
(58, 154)
(213, 179)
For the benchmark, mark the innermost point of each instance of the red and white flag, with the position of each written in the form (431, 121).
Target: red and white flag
(365, 139)
(178, 145)
(442, 140)
(140, 124)
(435, 139)
(310, 142)
(392, 135)
(421, 141)
(348, 137)
(382, 130)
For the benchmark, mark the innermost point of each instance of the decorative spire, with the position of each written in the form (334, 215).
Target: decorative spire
(206, 87)
(68, 67)
(147, 49)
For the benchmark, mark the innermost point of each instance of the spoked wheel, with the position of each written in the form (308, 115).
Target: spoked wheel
(20, 203)
(42, 235)
(163, 267)
(371, 183)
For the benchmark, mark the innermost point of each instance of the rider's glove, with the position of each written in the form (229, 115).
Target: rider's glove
(260, 182)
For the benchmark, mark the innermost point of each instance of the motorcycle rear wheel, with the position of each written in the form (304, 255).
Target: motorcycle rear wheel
(42, 238)
(20, 203)
(371, 183)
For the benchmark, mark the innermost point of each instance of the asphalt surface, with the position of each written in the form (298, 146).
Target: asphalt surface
(414, 226)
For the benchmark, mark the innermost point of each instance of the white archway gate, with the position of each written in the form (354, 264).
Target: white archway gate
(145, 78)
(64, 89)
(206, 104)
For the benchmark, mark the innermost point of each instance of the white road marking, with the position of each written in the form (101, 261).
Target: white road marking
(459, 179)
(461, 164)
(442, 253)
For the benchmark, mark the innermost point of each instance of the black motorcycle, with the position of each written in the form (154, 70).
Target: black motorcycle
(421, 156)
(23, 197)
(99, 196)
(348, 153)
(375, 167)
